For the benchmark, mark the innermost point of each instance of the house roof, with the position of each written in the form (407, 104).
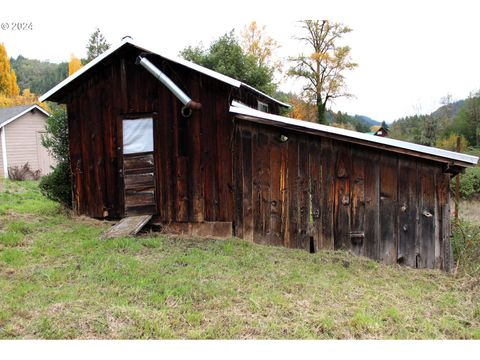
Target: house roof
(9, 114)
(128, 42)
(436, 154)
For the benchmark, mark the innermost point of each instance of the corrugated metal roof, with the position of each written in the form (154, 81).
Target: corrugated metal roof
(9, 114)
(378, 141)
(188, 64)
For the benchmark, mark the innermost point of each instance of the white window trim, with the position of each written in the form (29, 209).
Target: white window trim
(4, 152)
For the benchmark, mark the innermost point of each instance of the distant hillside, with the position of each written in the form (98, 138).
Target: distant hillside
(38, 76)
(451, 110)
(367, 120)
(441, 127)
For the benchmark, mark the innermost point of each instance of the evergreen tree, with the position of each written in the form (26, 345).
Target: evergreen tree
(97, 44)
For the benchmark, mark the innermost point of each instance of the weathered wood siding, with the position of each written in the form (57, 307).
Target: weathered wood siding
(310, 192)
(192, 157)
(314, 193)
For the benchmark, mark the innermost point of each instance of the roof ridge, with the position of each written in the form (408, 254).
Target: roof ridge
(196, 67)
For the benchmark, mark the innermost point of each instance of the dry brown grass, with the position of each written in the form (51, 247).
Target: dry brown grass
(469, 210)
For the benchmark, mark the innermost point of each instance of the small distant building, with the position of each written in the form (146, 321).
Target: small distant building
(21, 130)
(379, 130)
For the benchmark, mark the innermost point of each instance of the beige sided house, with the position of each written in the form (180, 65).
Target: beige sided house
(21, 130)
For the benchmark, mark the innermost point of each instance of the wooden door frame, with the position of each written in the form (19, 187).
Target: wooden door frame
(121, 179)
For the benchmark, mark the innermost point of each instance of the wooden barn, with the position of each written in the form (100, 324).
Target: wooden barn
(207, 154)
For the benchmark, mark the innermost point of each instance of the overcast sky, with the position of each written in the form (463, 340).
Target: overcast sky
(410, 53)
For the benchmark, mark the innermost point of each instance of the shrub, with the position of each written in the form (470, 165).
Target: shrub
(466, 246)
(57, 185)
(450, 143)
(20, 173)
(469, 183)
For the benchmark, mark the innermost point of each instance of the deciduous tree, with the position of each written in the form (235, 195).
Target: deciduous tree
(255, 41)
(301, 109)
(324, 68)
(74, 64)
(226, 56)
(8, 79)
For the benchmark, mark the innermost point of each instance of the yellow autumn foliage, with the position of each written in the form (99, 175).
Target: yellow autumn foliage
(26, 98)
(450, 143)
(8, 79)
(74, 64)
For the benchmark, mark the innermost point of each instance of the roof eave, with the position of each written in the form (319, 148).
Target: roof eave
(19, 115)
(439, 155)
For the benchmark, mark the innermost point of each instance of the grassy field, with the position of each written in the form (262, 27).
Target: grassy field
(59, 280)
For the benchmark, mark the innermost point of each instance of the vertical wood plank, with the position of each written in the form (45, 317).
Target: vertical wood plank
(284, 192)
(292, 193)
(197, 203)
(388, 208)
(426, 234)
(181, 176)
(224, 162)
(328, 193)
(261, 186)
(208, 159)
(357, 240)
(315, 184)
(407, 208)
(109, 143)
(437, 215)
(372, 205)
(123, 98)
(303, 238)
(275, 192)
(247, 185)
(342, 197)
(167, 156)
(238, 176)
(443, 194)
(98, 140)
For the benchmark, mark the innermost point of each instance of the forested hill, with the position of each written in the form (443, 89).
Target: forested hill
(441, 127)
(38, 76)
(41, 76)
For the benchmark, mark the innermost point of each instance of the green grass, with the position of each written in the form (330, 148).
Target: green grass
(59, 280)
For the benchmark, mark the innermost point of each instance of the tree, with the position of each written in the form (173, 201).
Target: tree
(450, 143)
(57, 185)
(26, 98)
(56, 136)
(97, 44)
(256, 42)
(227, 57)
(38, 76)
(301, 109)
(8, 79)
(324, 68)
(74, 64)
(472, 114)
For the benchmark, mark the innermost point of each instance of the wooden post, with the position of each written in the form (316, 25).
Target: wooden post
(457, 187)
